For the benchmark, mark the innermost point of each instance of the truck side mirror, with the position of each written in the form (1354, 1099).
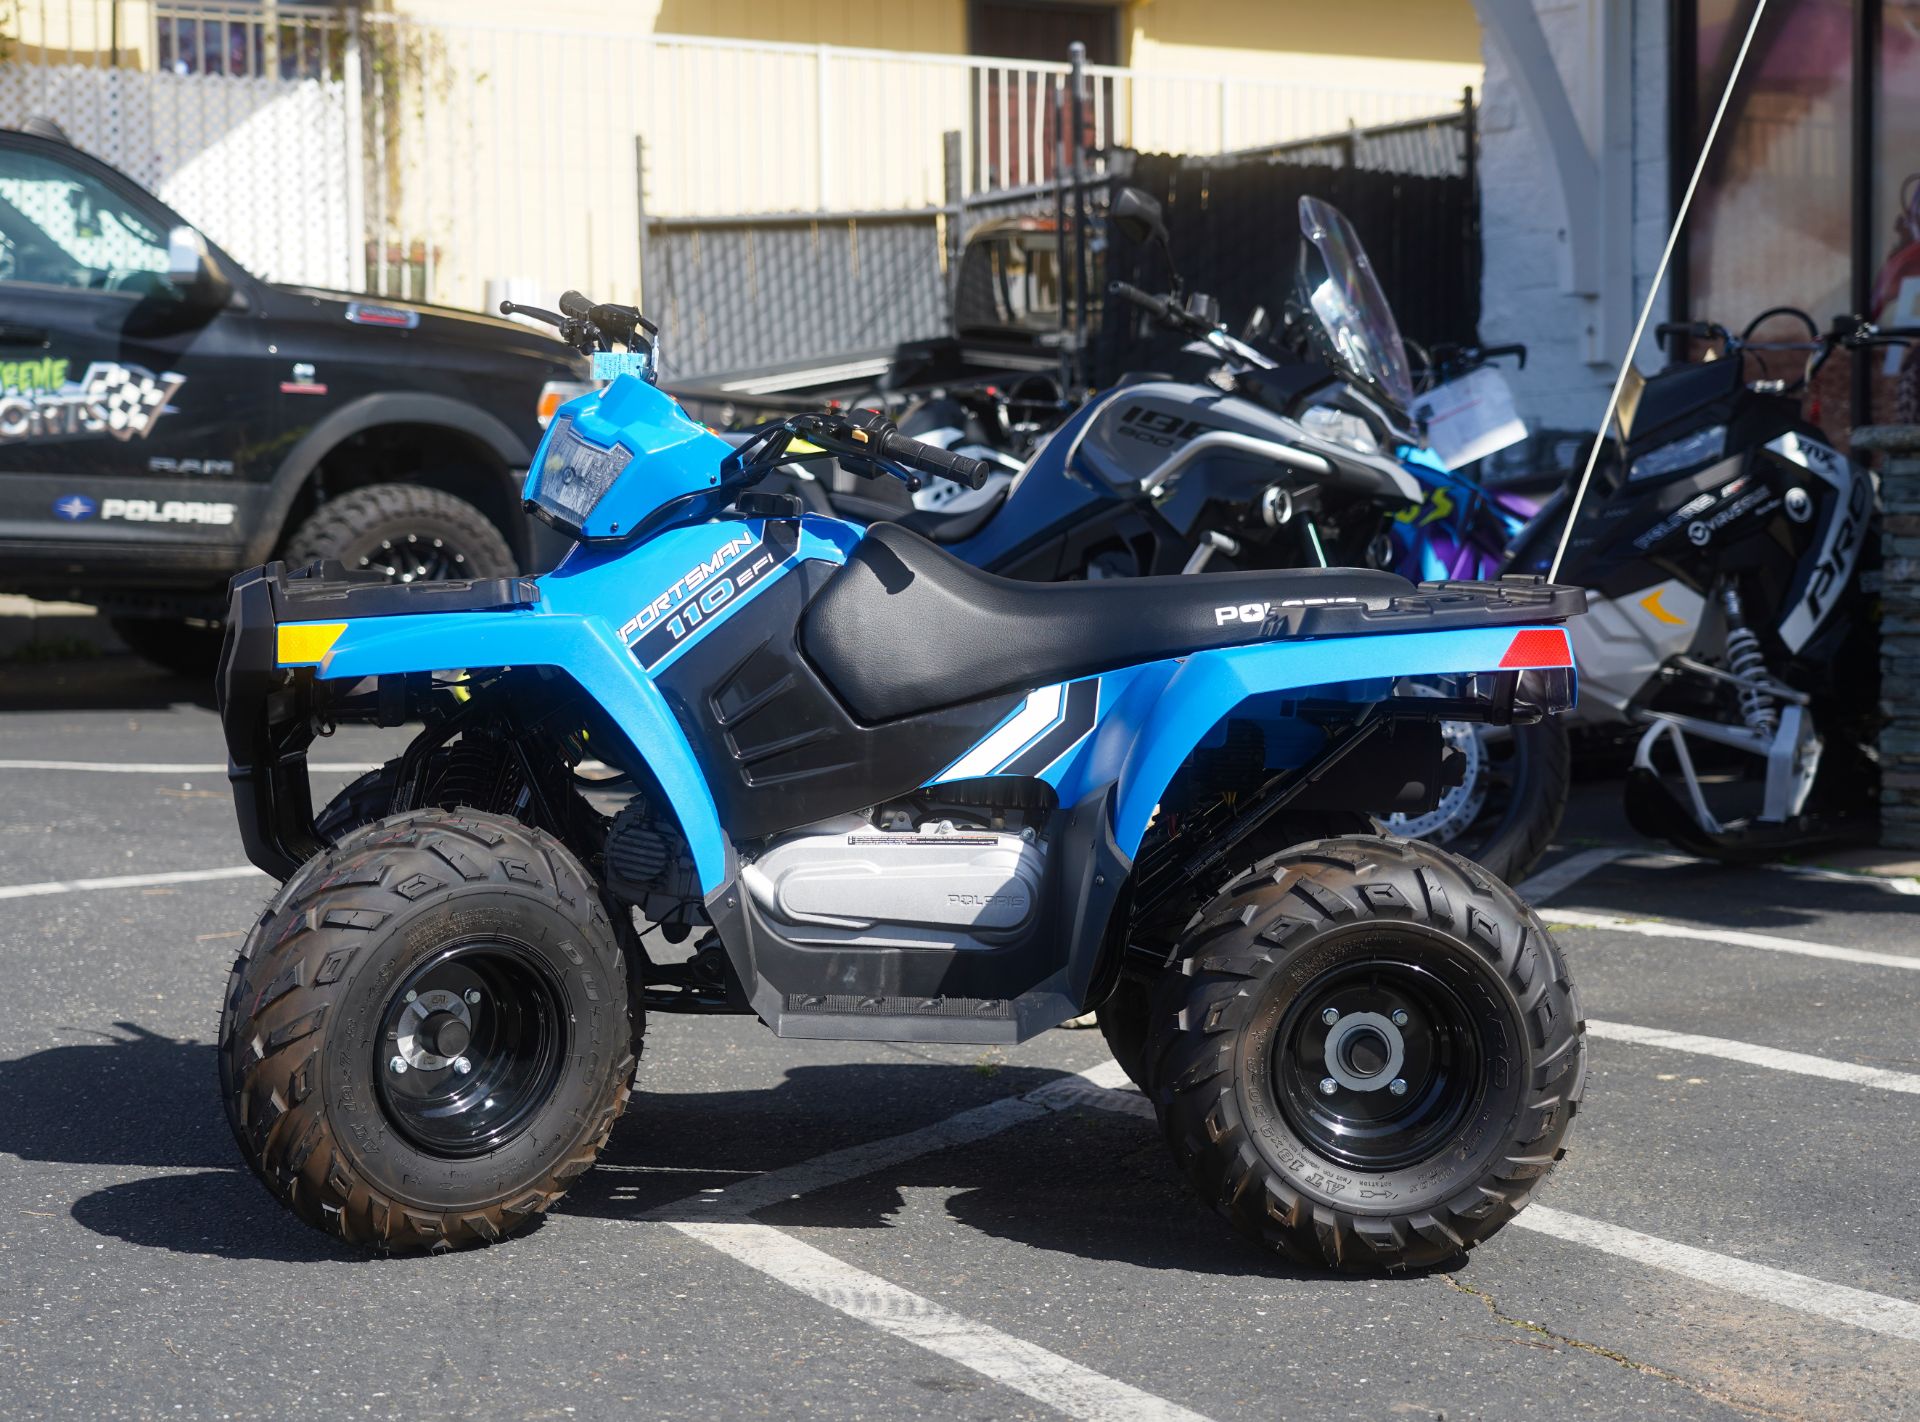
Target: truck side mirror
(194, 272)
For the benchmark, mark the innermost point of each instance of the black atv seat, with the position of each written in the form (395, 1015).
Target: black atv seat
(906, 627)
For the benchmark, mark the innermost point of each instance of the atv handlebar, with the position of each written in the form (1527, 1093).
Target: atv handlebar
(891, 446)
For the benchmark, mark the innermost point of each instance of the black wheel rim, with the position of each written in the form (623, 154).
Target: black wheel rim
(414, 558)
(471, 1047)
(1392, 1021)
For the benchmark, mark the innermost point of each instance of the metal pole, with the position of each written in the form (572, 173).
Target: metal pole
(955, 174)
(640, 208)
(1060, 234)
(354, 101)
(1077, 59)
(1866, 28)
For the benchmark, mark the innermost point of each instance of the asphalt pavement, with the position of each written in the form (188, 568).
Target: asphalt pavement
(794, 1229)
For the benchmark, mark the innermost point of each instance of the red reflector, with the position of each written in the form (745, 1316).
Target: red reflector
(1538, 647)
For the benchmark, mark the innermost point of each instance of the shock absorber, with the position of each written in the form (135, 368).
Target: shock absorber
(1745, 660)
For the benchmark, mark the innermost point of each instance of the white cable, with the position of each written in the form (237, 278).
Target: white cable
(1653, 292)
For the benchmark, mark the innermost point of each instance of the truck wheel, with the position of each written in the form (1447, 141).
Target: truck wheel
(1368, 1056)
(428, 1041)
(410, 534)
(187, 647)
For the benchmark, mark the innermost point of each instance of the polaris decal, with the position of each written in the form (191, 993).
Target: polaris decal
(118, 400)
(1257, 613)
(167, 511)
(701, 595)
(74, 507)
(1846, 532)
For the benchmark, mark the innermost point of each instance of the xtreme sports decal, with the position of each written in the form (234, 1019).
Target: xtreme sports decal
(113, 399)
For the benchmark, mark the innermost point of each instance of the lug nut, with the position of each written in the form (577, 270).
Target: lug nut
(473, 997)
(463, 1066)
(1398, 1086)
(1400, 1017)
(398, 1066)
(1328, 1086)
(1330, 1016)
(412, 996)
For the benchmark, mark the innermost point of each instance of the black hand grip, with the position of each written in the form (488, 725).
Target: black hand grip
(1160, 307)
(932, 459)
(572, 303)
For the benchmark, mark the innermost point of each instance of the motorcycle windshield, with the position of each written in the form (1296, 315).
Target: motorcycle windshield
(1338, 286)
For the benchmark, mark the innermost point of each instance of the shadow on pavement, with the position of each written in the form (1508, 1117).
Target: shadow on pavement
(115, 681)
(141, 1099)
(1081, 1182)
(1754, 899)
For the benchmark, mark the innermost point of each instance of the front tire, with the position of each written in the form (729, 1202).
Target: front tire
(435, 940)
(1368, 1056)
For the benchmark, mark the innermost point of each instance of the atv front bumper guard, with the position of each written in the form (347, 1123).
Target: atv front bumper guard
(269, 711)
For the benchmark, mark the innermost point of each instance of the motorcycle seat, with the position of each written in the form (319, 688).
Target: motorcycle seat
(944, 527)
(905, 627)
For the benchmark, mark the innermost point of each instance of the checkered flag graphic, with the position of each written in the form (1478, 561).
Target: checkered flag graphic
(128, 397)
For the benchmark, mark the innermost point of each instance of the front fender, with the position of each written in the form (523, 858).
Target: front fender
(1209, 685)
(582, 647)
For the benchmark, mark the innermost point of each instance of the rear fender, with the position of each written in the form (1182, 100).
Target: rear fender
(582, 647)
(1151, 735)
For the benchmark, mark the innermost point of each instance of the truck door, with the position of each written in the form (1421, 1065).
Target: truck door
(127, 417)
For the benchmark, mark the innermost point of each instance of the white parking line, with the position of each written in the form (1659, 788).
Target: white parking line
(1025, 1367)
(125, 881)
(1562, 875)
(1755, 1055)
(1046, 1377)
(1857, 1307)
(1731, 937)
(117, 767)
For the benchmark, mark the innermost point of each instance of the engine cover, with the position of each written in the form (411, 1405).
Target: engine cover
(845, 883)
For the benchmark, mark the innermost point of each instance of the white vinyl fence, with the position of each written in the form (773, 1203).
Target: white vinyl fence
(455, 162)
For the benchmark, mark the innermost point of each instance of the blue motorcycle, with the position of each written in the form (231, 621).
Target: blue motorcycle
(897, 799)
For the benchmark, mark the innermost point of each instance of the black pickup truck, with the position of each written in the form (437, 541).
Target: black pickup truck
(167, 419)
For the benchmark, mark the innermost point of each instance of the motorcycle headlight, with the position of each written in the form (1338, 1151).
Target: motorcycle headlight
(1682, 453)
(573, 475)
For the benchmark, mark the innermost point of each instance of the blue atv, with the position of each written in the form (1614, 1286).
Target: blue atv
(888, 797)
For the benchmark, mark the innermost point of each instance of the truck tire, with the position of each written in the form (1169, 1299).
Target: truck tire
(345, 1092)
(410, 533)
(1312, 985)
(187, 647)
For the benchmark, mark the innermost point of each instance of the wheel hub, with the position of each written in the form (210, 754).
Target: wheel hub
(1376, 1063)
(1365, 1051)
(474, 1044)
(433, 1029)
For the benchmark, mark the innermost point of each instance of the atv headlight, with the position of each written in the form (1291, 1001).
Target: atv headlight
(1688, 450)
(574, 475)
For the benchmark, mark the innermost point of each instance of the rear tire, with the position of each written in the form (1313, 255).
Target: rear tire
(1487, 1042)
(187, 647)
(502, 936)
(409, 533)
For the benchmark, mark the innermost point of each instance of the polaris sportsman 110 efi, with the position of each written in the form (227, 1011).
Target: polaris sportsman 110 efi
(896, 799)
